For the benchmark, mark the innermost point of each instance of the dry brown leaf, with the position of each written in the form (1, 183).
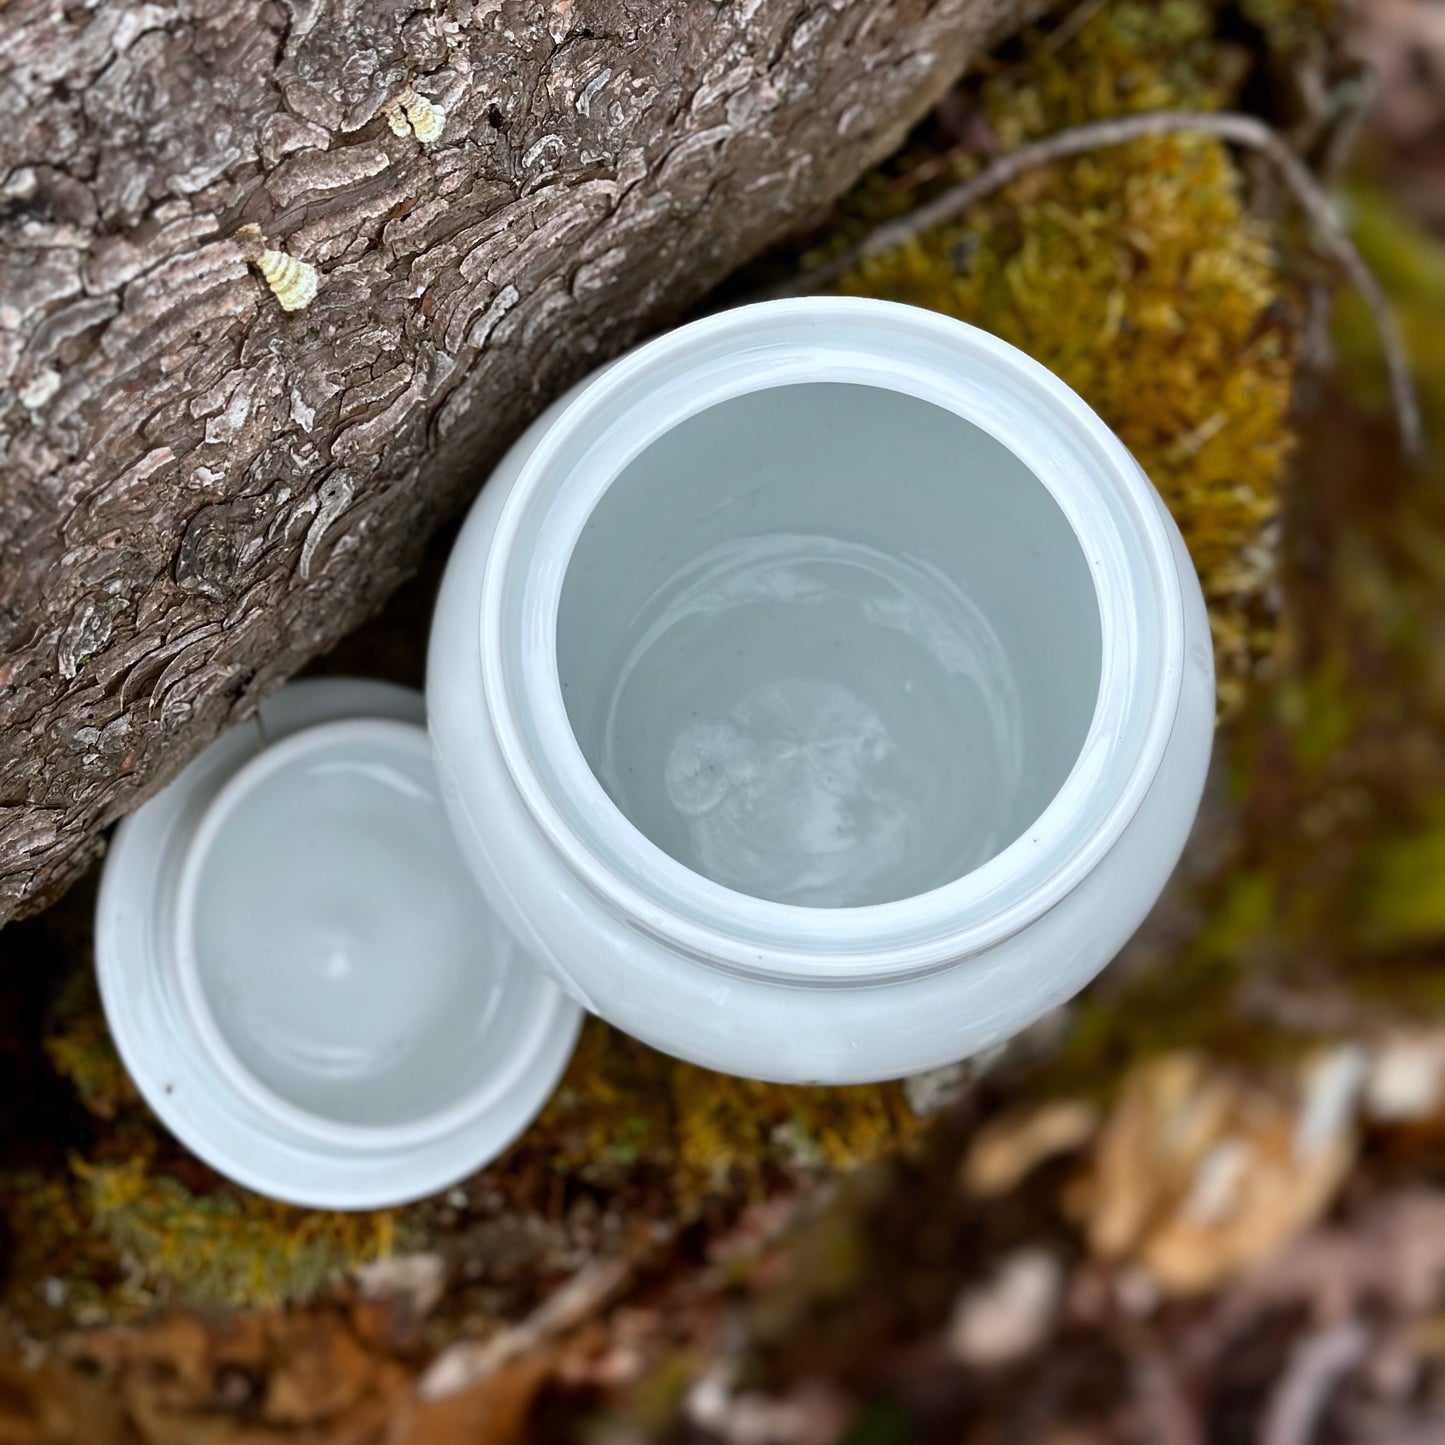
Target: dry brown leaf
(36, 1408)
(1200, 1171)
(494, 1412)
(175, 1348)
(318, 1371)
(1006, 1151)
(255, 1380)
(156, 1425)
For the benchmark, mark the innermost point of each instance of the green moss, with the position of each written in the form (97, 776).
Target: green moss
(826, 1260)
(1248, 906)
(1403, 895)
(131, 1220)
(730, 1127)
(118, 1235)
(51, 1234)
(134, 1210)
(80, 1048)
(1321, 711)
(1190, 1004)
(883, 1422)
(224, 1247)
(611, 1115)
(622, 1107)
(656, 1405)
(1287, 24)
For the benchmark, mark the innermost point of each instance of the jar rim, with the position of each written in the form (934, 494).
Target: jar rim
(1104, 496)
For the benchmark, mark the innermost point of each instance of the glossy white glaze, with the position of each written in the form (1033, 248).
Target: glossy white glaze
(425, 1127)
(763, 986)
(326, 937)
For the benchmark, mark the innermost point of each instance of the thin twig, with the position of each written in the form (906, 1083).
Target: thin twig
(927, 170)
(1319, 1363)
(1242, 130)
(1352, 101)
(1071, 24)
(469, 1362)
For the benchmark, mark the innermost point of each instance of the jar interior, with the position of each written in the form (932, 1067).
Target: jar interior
(829, 644)
(341, 946)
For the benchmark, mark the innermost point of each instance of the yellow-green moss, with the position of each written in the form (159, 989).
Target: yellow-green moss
(1403, 896)
(611, 1113)
(119, 1228)
(1400, 899)
(225, 1247)
(622, 1105)
(656, 1405)
(1286, 24)
(1321, 711)
(51, 1235)
(80, 1048)
(1244, 911)
(728, 1126)
(622, 1111)
(1136, 275)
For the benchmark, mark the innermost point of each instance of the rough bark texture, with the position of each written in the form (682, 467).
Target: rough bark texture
(198, 491)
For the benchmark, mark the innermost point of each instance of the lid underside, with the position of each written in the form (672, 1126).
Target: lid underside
(302, 977)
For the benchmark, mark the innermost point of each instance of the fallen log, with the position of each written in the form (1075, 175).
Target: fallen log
(278, 283)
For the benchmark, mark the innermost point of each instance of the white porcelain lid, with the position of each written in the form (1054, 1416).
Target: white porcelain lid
(299, 973)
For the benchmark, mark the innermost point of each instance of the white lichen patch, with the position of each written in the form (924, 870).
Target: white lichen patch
(293, 282)
(39, 389)
(414, 114)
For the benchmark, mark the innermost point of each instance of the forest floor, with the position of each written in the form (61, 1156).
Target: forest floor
(1203, 1203)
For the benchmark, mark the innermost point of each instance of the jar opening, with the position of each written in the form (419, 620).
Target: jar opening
(829, 644)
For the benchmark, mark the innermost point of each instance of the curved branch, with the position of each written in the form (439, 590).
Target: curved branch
(1241, 130)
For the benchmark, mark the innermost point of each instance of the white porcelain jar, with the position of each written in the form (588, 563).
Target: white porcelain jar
(821, 692)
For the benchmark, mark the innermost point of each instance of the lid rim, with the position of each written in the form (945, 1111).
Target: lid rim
(135, 973)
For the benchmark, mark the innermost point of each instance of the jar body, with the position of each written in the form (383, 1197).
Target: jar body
(757, 1009)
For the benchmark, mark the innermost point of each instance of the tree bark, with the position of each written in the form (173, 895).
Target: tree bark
(200, 491)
